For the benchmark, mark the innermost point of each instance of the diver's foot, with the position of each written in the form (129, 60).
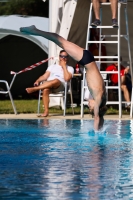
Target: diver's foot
(31, 90)
(28, 29)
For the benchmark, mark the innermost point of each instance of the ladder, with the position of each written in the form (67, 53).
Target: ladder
(117, 42)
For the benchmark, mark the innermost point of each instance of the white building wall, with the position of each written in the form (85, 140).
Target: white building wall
(61, 14)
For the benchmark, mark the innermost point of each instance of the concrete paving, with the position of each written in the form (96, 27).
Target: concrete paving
(57, 116)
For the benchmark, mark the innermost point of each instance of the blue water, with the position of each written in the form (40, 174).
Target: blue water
(66, 160)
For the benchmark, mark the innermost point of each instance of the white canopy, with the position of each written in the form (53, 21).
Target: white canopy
(10, 25)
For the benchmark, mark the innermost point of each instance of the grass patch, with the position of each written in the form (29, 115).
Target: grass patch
(30, 106)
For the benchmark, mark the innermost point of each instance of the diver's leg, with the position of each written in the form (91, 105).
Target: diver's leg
(72, 49)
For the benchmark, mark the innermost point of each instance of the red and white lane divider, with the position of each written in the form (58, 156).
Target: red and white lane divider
(32, 66)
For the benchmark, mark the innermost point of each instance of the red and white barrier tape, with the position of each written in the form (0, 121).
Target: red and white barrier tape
(32, 66)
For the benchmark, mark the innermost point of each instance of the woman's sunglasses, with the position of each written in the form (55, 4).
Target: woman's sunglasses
(61, 56)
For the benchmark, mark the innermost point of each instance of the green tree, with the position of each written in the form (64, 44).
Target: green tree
(25, 7)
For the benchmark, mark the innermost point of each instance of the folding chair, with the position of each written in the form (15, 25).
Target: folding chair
(63, 97)
(9, 92)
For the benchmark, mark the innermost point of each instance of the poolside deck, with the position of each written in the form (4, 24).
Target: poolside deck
(57, 116)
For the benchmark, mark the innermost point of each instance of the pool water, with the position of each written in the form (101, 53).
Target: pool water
(65, 160)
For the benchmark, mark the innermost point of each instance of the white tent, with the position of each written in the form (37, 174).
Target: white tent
(19, 51)
(10, 25)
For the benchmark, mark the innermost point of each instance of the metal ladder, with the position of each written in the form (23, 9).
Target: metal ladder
(117, 41)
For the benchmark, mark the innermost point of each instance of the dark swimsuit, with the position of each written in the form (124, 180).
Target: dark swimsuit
(87, 58)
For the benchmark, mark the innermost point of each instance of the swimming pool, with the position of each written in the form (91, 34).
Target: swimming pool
(64, 159)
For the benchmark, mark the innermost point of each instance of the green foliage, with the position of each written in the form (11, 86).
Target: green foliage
(25, 7)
